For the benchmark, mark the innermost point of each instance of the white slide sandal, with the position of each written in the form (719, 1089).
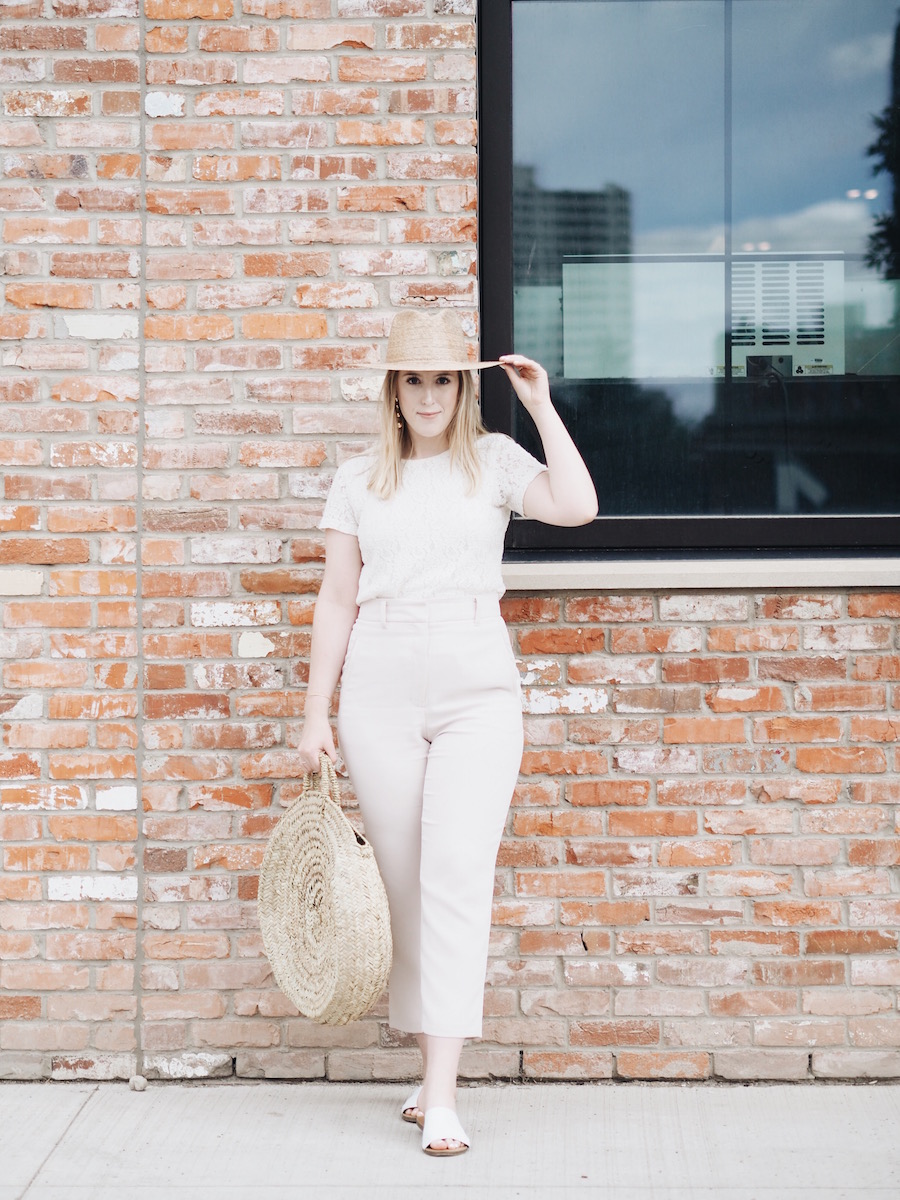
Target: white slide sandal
(410, 1109)
(442, 1125)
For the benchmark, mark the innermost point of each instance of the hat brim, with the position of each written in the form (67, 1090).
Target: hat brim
(440, 365)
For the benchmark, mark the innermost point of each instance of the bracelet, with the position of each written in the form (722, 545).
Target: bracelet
(321, 695)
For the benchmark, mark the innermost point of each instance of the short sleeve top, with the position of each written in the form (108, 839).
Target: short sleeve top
(432, 540)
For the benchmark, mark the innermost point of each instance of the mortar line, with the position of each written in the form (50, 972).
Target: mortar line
(138, 565)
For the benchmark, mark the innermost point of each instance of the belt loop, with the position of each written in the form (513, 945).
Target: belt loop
(476, 608)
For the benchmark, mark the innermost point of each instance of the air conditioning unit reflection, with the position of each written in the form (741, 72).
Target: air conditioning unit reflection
(662, 316)
(787, 311)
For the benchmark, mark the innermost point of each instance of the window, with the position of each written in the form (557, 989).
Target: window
(687, 214)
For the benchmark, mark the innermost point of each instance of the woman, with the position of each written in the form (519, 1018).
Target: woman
(430, 720)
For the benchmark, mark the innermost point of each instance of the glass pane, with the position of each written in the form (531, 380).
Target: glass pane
(810, 80)
(705, 252)
(602, 95)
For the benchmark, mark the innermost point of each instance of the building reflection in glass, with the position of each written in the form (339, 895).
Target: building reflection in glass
(740, 356)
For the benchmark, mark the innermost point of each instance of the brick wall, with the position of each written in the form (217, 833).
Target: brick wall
(209, 211)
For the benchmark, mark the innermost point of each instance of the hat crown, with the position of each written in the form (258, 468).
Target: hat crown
(421, 338)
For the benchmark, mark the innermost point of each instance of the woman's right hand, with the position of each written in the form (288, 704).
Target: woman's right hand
(315, 739)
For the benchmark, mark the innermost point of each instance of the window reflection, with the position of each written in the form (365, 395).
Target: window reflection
(706, 254)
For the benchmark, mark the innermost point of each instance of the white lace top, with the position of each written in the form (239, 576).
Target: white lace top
(431, 540)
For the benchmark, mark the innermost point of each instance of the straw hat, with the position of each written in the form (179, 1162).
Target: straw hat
(429, 341)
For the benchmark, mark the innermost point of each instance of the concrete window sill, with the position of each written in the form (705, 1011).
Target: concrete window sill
(775, 573)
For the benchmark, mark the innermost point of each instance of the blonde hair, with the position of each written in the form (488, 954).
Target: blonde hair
(394, 444)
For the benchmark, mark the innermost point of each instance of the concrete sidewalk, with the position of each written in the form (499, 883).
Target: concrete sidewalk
(86, 1141)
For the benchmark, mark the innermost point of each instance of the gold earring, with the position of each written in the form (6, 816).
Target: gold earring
(397, 412)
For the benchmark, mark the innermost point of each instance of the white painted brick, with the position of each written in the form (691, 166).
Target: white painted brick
(93, 887)
(254, 645)
(51, 798)
(21, 583)
(201, 1065)
(120, 798)
(164, 104)
(27, 706)
(123, 358)
(101, 327)
(309, 486)
(90, 1065)
(230, 614)
(235, 550)
(544, 701)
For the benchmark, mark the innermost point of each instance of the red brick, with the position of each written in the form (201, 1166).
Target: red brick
(382, 68)
(693, 730)
(278, 326)
(796, 912)
(794, 851)
(752, 1001)
(55, 103)
(754, 941)
(575, 1065)
(43, 37)
(185, 945)
(236, 39)
(753, 638)
(798, 607)
(655, 639)
(432, 229)
(874, 604)
(699, 853)
(655, 700)
(50, 295)
(884, 852)
(561, 641)
(705, 670)
(817, 972)
(380, 198)
(838, 761)
(877, 792)
(874, 729)
(745, 700)
(604, 912)
(609, 792)
(188, 328)
(236, 167)
(839, 697)
(793, 668)
(797, 729)
(443, 35)
(46, 858)
(652, 823)
(20, 1008)
(184, 10)
(705, 792)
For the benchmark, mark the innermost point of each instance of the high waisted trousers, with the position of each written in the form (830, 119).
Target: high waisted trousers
(430, 726)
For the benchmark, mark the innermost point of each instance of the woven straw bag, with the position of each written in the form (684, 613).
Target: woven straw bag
(322, 906)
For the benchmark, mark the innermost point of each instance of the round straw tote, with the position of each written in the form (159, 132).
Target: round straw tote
(323, 910)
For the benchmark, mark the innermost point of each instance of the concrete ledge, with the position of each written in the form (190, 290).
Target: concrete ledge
(739, 573)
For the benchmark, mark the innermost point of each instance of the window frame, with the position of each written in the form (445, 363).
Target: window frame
(799, 536)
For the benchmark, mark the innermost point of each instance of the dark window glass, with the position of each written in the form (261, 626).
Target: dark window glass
(703, 252)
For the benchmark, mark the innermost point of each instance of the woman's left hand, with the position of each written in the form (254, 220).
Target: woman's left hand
(529, 380)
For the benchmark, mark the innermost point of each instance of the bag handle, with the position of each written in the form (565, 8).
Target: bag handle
(324, 780)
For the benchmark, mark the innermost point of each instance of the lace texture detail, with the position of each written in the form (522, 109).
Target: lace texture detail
(431, 540)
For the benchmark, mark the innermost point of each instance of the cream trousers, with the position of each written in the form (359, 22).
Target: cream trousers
(430, 726)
